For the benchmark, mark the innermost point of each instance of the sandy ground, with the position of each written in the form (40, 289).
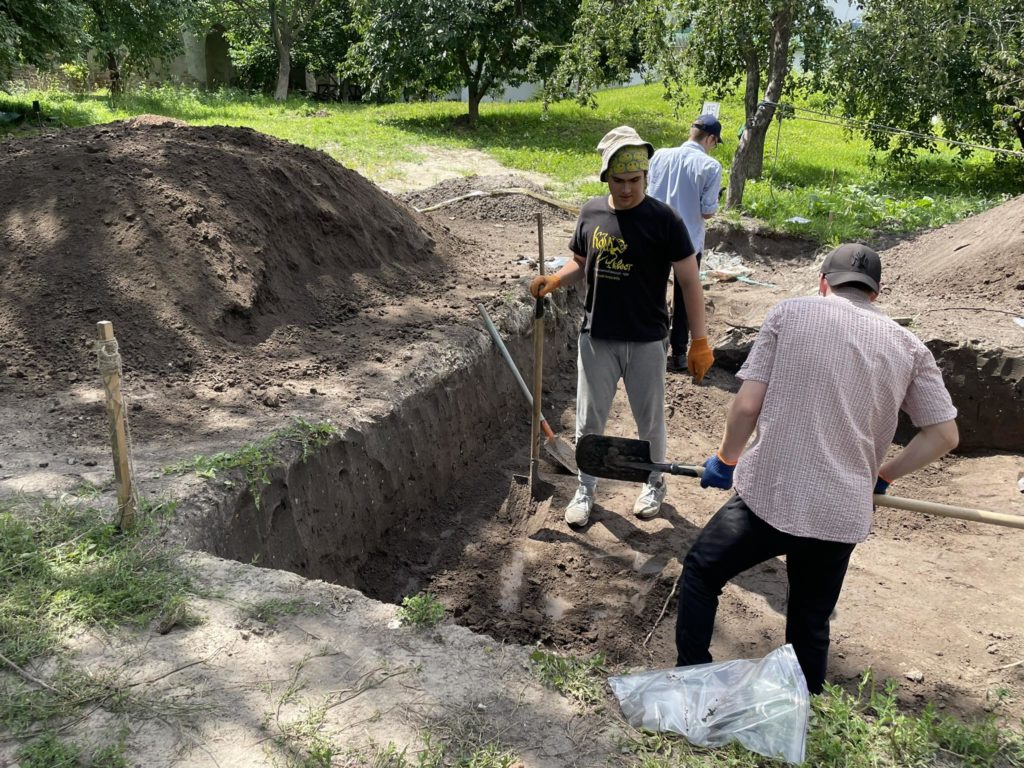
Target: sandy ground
(260, 292)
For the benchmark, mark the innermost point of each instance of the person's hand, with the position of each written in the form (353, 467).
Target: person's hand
(881, 486)
(699, 359)
(717, 473)
(542, 285)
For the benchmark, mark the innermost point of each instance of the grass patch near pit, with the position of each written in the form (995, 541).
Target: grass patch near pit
(581, 680)
(255, 460)
(66, 569)
(820, 181)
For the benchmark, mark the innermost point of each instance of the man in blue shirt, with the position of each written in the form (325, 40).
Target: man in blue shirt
(688, 179)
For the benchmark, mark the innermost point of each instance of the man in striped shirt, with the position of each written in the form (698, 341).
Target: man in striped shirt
(823, 387)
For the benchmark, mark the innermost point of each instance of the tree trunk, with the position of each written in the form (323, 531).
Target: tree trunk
(116, 86)
(284, 70)
(1018, 128)
(282, 42)
(474, 97)
(749, 157)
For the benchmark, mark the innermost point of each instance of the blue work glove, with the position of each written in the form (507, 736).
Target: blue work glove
(717, 473)
(881, 486)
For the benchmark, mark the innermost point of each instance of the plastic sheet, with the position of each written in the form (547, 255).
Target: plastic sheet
(763, 703)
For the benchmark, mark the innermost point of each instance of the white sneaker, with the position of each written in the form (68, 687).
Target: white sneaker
(578, 511)
(649, 502)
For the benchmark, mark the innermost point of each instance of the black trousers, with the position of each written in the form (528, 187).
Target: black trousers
(736, 539)
(679, 337)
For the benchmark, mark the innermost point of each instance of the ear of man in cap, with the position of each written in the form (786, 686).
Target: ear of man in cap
(618, 142)
(709, 124)
(853, 263)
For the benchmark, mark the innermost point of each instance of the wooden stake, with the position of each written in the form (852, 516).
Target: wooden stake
(118, 432)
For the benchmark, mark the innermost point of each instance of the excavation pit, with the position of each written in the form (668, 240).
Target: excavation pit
(241, 304)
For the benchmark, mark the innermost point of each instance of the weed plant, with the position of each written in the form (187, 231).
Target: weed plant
(421, 611)
(581, 680)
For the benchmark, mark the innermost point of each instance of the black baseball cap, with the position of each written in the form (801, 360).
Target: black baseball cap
(853, 263)
(709, 124)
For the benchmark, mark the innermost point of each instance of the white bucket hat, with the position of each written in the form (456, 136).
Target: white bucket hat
(616, 139)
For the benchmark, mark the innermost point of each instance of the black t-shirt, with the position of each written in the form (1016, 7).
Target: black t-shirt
(629, 254)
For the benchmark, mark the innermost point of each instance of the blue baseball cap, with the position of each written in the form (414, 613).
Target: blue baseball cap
(709, 124)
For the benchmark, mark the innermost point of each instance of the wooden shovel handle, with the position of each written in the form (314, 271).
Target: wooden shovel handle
(948, 510)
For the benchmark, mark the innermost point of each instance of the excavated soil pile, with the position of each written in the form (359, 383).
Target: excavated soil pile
(493, 206)
(195, 242)
(978, 261)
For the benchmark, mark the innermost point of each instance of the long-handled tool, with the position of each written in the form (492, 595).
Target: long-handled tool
(538, 366)
(622, 458)
(560, 451)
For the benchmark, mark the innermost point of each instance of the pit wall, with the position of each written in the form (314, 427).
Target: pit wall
(325, 517)
(987, 386)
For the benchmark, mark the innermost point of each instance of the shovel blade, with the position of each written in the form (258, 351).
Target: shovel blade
(616, 458)
(561, 453)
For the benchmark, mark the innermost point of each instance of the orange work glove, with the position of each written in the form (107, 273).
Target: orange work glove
(542, 285)
(699, 359)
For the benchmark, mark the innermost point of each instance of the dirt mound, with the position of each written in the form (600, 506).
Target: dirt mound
(139, 120)
(190, 240)
(977, 261)
(490, 206)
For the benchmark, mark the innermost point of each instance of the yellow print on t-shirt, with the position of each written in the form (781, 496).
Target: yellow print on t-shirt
(608, 249)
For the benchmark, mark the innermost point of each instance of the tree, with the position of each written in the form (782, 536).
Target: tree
(752, 42)
(933, 67)
(321, 48)
(133, 35)
(719, 42)
(285, 22)
(435, 46)
(611, 40)
(38, 31)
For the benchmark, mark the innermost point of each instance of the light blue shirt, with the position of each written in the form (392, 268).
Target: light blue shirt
(688, 179)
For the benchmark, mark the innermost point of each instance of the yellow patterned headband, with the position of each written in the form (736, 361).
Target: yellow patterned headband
(628, 160)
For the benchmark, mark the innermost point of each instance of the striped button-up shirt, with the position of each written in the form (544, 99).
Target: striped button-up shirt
(838, 373)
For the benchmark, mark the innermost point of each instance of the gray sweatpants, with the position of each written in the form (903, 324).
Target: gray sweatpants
(641, 366)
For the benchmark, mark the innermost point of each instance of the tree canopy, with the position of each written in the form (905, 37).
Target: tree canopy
(38, 31)
(720, 44)
(431, 47)
(126, 33)
(951, 67)
(318, 36)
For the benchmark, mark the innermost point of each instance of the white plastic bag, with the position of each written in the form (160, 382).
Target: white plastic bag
(763, 703)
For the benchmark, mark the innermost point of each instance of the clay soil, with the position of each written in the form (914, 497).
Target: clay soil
(251, 282)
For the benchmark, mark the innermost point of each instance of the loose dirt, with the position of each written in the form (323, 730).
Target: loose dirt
(251, 282)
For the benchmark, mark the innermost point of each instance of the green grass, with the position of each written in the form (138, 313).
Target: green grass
(255, 460)
(65, 569)
(812, 170)
(581, 680)
(864, 729)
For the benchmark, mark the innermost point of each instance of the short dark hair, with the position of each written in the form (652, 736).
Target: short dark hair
(853, 284)
(699, 134)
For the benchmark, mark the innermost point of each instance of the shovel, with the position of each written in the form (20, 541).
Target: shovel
(560, 451)
(622, 458)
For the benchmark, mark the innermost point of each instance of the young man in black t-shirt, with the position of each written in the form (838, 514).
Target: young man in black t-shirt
(625, 244)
